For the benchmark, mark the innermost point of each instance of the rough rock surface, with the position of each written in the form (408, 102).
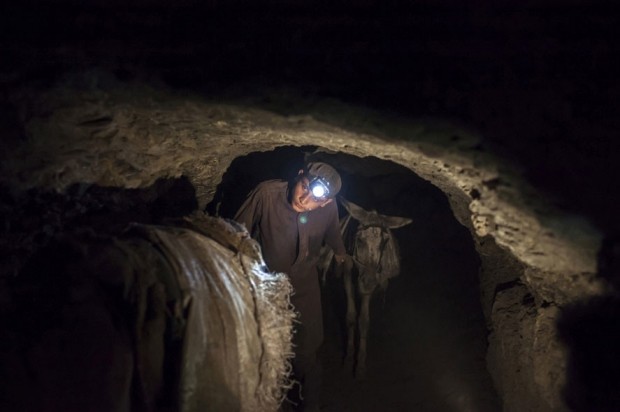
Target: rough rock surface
(525, 358)
(94, 130)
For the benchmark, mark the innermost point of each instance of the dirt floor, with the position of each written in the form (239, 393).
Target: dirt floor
(427, 344)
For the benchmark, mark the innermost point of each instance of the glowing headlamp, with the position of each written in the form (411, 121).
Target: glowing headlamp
(319, 188)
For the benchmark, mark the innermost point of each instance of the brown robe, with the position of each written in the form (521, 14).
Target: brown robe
(291, 243)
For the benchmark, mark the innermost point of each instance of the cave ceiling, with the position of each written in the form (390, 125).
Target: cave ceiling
(129, 136)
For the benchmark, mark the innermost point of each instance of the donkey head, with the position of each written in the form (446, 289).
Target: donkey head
(375, 250)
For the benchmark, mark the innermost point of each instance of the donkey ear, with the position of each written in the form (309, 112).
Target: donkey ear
(371, 217)
(394, 222)
(356, 211)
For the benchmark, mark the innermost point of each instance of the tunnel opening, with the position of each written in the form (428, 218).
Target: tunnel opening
(428, 337)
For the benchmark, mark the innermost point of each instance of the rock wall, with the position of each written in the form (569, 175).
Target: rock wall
(525, 359)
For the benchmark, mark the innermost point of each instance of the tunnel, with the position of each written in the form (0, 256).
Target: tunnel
(428, 340)
(491, 127)
(474, 312)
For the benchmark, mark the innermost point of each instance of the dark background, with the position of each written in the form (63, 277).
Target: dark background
(538, 79)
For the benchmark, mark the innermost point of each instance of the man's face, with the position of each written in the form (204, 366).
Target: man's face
(302, 200)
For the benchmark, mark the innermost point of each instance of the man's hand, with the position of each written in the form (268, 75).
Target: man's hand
(343, 263)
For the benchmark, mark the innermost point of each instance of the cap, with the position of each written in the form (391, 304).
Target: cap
(327, 173)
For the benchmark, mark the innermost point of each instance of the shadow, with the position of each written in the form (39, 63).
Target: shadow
(30, 220)
(591, 331)
(63, 339)
(245, 172)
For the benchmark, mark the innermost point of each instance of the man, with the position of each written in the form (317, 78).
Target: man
(291, 220)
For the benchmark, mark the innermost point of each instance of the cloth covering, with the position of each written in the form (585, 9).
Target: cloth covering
(185, 317)
(237, 341)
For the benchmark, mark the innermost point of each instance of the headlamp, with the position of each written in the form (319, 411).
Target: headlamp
(319, 188)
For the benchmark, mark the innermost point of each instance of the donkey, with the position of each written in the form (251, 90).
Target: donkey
(375, 260)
